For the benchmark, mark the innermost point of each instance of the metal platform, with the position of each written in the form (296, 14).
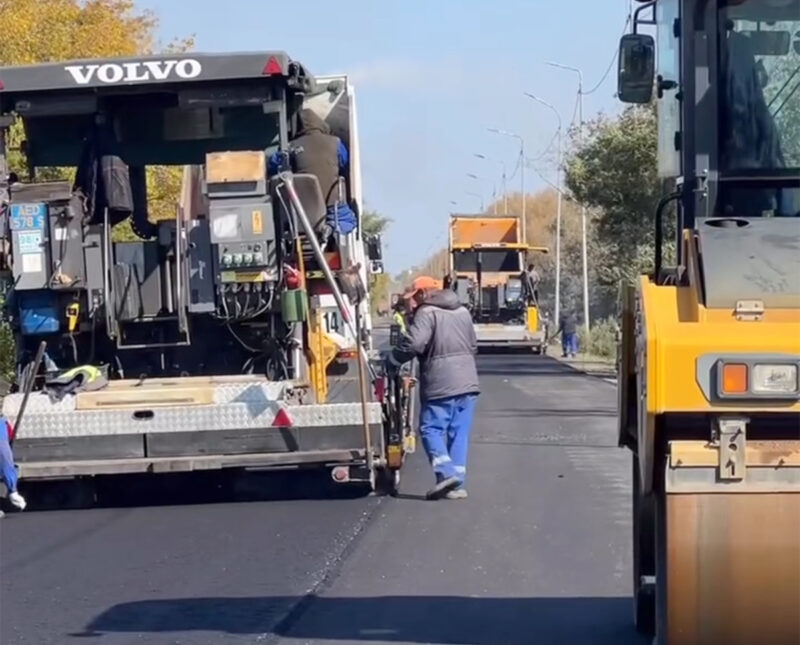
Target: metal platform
(179, 405)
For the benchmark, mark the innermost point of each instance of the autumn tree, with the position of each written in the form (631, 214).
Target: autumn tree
(40, 31)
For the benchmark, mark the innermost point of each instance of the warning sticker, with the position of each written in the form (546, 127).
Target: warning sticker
(258, 223)
(32, 263)
(29, 241)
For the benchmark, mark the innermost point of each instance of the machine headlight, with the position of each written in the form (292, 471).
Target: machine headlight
(766, 378)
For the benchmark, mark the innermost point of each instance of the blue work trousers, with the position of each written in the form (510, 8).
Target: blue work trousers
(569, 344)
(445, 427)
(8, 473)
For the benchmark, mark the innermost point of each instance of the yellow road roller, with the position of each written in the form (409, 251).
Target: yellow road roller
(709, 374)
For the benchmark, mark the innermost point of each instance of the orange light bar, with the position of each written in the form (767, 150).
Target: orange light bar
(734, 378)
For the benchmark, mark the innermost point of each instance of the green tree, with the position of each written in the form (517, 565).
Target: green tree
(614, 172)
(373, 223)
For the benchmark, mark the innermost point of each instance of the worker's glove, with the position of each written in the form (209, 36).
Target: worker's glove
(17, 500)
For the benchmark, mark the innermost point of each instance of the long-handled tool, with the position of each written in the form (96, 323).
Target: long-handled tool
(28, 385)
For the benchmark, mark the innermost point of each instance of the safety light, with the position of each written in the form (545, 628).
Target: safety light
(775, 378)
(758, 377)
(273, 67)
(282, 419)
(734, 378)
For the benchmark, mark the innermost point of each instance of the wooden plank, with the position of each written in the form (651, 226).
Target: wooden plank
(241, 166)
(116, 399)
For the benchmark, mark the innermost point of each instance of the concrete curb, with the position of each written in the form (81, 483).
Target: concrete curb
(602, 368)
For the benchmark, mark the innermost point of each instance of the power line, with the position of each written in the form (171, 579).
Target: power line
(545, 150)
(611, 64)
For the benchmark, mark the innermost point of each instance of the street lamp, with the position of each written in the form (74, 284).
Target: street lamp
(558, 208)
(494, 191)
(503, 166)
(583, 206)
(503, 133)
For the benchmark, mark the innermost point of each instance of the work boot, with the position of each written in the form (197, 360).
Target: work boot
(458, 493)
(442, 488)
(17, 500)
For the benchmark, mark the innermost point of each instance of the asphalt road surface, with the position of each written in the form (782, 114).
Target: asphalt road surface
(538, 554)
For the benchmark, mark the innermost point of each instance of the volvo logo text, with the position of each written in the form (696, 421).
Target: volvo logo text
(137, 72)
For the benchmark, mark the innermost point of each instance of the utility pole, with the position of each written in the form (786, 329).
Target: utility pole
(559, 192)
(583, 206)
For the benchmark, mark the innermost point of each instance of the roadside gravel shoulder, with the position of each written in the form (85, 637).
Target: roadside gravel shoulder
(601, 367)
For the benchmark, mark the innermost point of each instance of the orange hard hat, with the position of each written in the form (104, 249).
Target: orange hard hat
(422, 283)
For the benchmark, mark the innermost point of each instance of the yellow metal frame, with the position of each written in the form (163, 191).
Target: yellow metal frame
(675, 329)
(532, 319)
(665, 331)
(321, 353)
(500, 246)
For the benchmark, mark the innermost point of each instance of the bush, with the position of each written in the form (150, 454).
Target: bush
(603, 340)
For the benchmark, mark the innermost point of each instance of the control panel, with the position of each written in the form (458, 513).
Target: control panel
(243, 234)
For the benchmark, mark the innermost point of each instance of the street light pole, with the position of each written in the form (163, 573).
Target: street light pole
(505, 192)
(482, 179)
(584, 253)
(521, 173)
(557, 317)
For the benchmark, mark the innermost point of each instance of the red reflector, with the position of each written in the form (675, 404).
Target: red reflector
(282, 419)
(273, 67)
(2, 87)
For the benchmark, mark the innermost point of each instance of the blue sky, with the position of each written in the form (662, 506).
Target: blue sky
(431, 77)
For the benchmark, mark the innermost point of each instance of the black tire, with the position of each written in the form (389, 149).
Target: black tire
(644, 555)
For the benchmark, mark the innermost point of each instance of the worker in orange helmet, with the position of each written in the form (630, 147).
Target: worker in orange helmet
(442, 337)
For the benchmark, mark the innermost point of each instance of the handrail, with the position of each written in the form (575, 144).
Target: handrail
(659, 237)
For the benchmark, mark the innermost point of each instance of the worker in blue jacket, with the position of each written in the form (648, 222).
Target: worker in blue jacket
(314, 150)
(8, 471)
